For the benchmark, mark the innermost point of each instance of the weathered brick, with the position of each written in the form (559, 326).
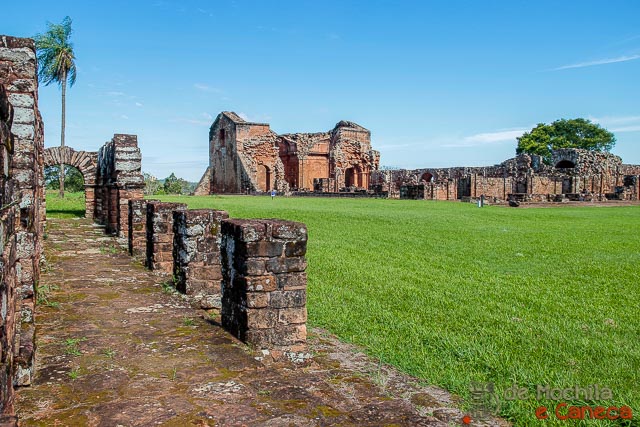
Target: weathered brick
(285, 265)
(292, 315)
(286, 299)
(292, 281)
(261, 318)
(257, 299)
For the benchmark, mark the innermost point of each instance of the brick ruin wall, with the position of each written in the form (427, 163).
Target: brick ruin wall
(118, 180)
(21, 215)
(572, 175)
(249, 157)
(197, 267)
(250, 273)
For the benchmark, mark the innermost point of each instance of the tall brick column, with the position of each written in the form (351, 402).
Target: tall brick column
(264, 284)
(160, 235)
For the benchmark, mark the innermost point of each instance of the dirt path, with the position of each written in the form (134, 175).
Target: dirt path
(115, 348)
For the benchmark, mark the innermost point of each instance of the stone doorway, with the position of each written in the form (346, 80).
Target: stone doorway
(264, 178)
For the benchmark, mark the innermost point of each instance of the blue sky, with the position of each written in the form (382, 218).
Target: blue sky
(438, 83)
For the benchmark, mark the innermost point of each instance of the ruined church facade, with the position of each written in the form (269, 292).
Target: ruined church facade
(247, 157)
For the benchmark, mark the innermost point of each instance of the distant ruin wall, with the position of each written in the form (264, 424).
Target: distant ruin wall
(572, 174)
(21, 215)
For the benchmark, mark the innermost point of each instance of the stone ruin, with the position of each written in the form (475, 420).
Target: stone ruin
(21, 214)
(250, 271)
(246, 157)
(573, 174)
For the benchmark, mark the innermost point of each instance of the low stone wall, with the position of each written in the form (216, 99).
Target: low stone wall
(264, 284)
(253, 272)
(196, 255)
(160, 235)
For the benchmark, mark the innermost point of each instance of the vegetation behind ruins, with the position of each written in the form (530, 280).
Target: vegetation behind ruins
(451, 293)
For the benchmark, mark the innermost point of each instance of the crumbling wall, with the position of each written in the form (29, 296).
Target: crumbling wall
(264, 290)
(250, 157)
(572, 174)
(137, 236)
(196, 255)
(253, 272)
(21, 214)
(160, 235)
(204, 185)
(351, 157)
(119, 180)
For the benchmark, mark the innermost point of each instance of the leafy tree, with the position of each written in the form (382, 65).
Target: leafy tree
(73, 180)
(175, 185)
(56, 63)
(573, 133)
(151, 184)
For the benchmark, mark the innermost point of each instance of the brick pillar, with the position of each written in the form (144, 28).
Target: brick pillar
(90, 201)
(124, 195)
(160, 235)
(137, 225)
(264, 284)
(196, 255)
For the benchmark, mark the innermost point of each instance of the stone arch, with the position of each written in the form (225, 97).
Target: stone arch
(427, 177)
(86, 162)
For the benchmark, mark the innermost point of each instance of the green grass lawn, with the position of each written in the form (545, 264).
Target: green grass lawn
(71, 206)
(451, 293)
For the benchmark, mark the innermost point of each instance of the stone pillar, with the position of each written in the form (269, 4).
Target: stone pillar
(264, 284)
(137, 226)
(90, 200)
(160, 235)
(196, 255)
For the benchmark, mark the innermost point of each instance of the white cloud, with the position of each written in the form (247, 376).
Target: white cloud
(244, 116)
(206, 88)
(612, 120)
(488, 138)
(598, 62)
(138, 104)
(124, 116)
(619, 123)
(114, 93)
(197, 122)
(635, 128)
(207, 116)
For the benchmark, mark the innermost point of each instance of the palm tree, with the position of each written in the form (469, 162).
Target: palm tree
(56, 64)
